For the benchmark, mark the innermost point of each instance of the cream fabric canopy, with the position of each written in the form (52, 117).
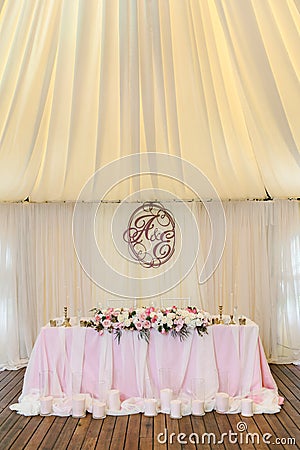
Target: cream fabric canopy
(85, 82)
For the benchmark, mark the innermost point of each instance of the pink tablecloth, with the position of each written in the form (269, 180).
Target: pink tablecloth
(228, 358)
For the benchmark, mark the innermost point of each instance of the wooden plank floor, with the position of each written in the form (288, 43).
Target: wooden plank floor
(138, 432)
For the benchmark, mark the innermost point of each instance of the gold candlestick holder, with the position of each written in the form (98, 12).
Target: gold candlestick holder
(232, 322)
(242, 321)
(66, 322)
(221, 321)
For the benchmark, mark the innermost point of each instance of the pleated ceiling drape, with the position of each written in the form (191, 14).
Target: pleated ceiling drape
(215, 82)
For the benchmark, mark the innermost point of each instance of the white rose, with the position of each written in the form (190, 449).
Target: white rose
(171, 316)
(187, 320)
(169, 322)
(164, 319)
(127, 322)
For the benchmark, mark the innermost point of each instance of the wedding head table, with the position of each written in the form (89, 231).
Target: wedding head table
(153, 375)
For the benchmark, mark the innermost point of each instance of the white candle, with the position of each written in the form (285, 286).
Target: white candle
(222, 402)
(98, 409)
(175, 409)
(198, 408)
(78, 405)
(46, 405)
(114, 403)
(150, 407)
(165, 399)
(247, 407)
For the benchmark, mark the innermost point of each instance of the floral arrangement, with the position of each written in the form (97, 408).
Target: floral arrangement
(177, 321)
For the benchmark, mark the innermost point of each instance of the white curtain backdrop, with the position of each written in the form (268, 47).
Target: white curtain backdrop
(259, 271)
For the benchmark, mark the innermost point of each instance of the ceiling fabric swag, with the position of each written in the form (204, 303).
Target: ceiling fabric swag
(213, 82)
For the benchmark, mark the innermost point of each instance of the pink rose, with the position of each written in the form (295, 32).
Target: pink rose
(138, 325)
(106, 323)
(154, 319)
(142, 316)
(147, 324)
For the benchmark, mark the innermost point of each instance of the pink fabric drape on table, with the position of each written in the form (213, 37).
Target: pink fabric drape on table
(133, 366)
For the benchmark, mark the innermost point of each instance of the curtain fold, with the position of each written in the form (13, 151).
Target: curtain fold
(40, 274)
(285, 271)
(84, 83)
